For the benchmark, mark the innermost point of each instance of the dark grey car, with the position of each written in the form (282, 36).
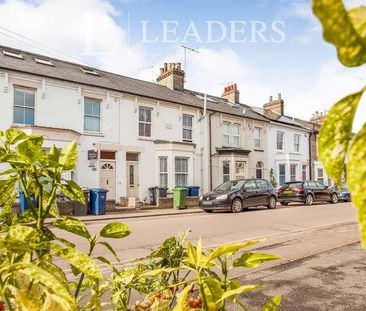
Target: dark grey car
(237, 195)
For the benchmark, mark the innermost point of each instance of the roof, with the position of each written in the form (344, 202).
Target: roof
(275, 117)
(72, 72)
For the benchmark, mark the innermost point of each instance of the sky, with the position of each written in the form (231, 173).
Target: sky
(265, 46)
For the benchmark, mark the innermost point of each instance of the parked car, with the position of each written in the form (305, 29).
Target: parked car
(238, 195)
(343, 193)
(306, 192)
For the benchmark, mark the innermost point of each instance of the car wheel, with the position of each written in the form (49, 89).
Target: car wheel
(237, 206)
(334, 198)
(309, 200)
(284, 203)
(272, 203)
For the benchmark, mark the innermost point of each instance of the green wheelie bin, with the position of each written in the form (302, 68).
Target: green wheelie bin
(179, 198)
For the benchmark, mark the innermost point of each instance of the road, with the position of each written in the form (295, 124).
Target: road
(319, 239)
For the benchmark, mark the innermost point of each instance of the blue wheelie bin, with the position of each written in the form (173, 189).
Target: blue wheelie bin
(194, 191)
(98, 201)
(23, 204)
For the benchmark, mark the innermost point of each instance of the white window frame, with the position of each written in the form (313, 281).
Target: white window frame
(279, 141)
(320, 179)
(187, 127)
(279, 173)
(145, 122)
(162, 172)
(226, 134)
(304, 172)
(259, 167)
(296, 143)
(181, 173)
(25, 90)
(223, 173)
(293, 174)
(237, 164)
(99, 118)
(257, 139)
(235, 135)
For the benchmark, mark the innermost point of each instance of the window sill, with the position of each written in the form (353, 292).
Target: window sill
(258, 150)
(143, 138)
(96, 134)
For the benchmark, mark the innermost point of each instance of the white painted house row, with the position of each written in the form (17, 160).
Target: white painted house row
(134, 134)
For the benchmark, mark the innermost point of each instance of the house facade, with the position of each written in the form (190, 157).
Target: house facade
(132, 134)
(238, 144)
(288, 144)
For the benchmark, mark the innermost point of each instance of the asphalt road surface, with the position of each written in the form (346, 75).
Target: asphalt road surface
(322, 266)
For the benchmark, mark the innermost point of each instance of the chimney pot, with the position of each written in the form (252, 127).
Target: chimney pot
(161, 71)
(279, 95)
(165, 67)
(270, 98)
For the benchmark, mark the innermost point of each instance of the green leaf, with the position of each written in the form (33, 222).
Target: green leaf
(110, 248)
(115, 230)
(54, 154)
(235, 292)
(7, 187)
(341, 29)
(273, 303)
(230, 249)
(358, 18)
(212, 292)
(156, 272)
(253, 260)
(191, 255)
(182, 299)
(73, 191)
(335, 135)
(79, 260)
(30, 152)
(68, 156)
(72, 225)
(356, 178)
(52, 285)
(12, 136)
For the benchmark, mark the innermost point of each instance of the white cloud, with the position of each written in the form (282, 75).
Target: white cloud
(331, 83)
(84, 28)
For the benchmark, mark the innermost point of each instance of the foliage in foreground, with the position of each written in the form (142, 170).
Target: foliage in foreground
(176, 276)
(346, 30)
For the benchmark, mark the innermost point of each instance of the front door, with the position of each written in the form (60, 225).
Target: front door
(108, 178)
(132, 179)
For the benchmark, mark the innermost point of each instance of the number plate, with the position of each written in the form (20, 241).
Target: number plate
(207, 203)
(287, 192)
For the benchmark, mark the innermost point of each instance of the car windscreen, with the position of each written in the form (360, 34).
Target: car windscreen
(230, 185)
(292, 185)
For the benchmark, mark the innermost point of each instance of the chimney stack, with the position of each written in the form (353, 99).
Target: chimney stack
(231, 93)
(276, 106)
(172, 76)
(318, 117)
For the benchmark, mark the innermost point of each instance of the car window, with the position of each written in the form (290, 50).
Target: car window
(250, 185)
(312, 184)
(319, 185)
(230, 185)
(262, 184)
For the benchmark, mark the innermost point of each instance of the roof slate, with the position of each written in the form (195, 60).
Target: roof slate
(68, 71)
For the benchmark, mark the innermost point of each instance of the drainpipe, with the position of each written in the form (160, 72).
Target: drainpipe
(210, 146)
(310, 159)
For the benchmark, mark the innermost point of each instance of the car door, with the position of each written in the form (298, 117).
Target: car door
(262, 192)
(323, 192)
(250, 193)
(313, 188)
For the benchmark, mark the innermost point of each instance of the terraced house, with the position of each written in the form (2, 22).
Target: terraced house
(132, 134)
(288, 142)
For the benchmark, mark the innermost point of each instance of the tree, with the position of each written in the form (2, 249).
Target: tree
(346, 30)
